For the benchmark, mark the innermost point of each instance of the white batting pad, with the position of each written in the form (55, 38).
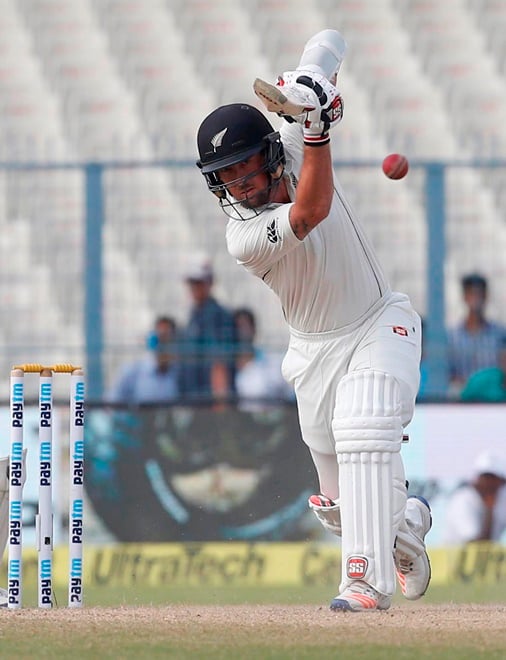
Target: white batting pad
(368, 432)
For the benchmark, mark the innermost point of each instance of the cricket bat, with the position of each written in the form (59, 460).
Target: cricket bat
(323, 54)
(275, 101)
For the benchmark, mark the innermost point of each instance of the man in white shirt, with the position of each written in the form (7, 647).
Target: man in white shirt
(258, 373)
(476, 510)
(354, 350)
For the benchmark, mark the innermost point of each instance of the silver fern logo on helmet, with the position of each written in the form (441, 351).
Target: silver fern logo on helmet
(217, 139)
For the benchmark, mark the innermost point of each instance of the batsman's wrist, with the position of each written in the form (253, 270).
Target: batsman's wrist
(316, 140)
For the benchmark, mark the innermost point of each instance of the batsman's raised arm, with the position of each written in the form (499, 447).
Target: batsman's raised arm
(309, 100)
(314, 191)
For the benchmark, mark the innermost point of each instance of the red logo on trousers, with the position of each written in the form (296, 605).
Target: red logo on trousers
(400, 330)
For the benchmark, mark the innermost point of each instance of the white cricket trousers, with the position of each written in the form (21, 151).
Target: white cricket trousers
(388, 340)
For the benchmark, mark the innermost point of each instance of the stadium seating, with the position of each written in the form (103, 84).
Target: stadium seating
(128, 81)
(30, 129)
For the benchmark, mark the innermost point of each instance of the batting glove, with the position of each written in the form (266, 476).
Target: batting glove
(322, 104)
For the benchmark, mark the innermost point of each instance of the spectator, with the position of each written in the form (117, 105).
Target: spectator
(474, 343)
(258, 375)
(209, 338)
(488, 385)
(477, 510)
(246, 325)
(154, 378)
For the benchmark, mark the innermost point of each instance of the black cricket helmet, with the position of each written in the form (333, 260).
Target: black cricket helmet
(231, 134)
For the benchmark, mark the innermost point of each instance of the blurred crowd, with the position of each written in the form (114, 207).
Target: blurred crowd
(215, 355)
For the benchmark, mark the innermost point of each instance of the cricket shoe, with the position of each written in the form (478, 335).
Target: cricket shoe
(360, 597)
(4, 597)
(411, 560)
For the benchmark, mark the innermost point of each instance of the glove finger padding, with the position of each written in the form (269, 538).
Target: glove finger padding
(318, 124)
(323, 108)
(301, 98)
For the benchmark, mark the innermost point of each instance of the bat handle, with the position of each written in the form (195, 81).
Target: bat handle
(324, 53)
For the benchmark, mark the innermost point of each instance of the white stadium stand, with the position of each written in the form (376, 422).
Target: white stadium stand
(130, 80)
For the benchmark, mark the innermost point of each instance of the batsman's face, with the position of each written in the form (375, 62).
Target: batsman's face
(248, 182)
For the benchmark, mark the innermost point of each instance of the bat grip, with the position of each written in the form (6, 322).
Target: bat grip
(324, 53)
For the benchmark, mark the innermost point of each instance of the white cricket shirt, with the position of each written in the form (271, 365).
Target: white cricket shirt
(329, 280)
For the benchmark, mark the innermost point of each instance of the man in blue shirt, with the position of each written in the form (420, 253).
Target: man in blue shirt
(154, 378)
(473, 344)
(209, 340)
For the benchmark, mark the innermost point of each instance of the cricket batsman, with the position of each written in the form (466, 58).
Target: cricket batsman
(354, 349)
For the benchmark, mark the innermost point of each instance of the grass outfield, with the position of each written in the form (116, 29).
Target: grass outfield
(464, 622)
(473, 593)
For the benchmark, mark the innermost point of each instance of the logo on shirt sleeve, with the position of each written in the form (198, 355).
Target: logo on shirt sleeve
(272, 231)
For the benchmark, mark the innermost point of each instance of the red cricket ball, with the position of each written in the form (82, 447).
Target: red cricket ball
(395, 166)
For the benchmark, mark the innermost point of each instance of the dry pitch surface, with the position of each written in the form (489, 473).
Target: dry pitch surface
(255, 631)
